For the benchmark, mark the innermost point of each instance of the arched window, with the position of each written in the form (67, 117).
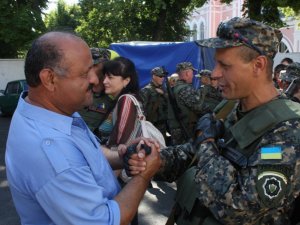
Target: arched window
(194, 32)
(283, 48)
(201, 31)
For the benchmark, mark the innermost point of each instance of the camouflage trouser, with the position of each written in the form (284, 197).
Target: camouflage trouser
(178, 136)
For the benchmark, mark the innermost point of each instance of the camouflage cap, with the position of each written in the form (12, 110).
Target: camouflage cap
(184, 66)
(100, 54)
(204, 73)
(158, 71)
(243, 31)
(292, 72)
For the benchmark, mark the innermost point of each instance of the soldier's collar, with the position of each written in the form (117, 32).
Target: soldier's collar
(156, 85)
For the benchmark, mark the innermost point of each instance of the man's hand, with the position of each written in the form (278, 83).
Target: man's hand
(153, 162)
(135, 157)
(132, 193)
(208, 128)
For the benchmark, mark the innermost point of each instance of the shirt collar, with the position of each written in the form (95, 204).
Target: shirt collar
(51, 119)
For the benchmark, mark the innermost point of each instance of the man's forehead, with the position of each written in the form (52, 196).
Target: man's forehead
(226, 52)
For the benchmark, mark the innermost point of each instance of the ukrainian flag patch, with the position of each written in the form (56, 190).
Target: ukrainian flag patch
(273, 152)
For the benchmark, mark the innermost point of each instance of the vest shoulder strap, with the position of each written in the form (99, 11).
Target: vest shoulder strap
(258, 121)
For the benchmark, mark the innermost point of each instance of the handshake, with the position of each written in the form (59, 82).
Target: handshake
(137, 154)
(208, 128)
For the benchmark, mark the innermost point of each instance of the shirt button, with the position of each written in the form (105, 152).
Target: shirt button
(48, 142)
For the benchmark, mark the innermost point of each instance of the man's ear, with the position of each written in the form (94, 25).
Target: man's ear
(47, 77)
(260, 64)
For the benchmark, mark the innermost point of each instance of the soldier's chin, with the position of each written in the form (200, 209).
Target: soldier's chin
(226, 95)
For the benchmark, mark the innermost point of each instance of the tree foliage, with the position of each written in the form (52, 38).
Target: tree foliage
(104, 22)
(288, 12)
(101, 22)
(63, 18)
(268, 11)
(21, 22)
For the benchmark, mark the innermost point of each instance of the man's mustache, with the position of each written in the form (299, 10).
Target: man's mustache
(90, 87)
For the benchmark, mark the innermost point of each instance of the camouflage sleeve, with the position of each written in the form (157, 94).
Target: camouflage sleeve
(176, 159)
(193, 99)
(144, 94)
(262, 191)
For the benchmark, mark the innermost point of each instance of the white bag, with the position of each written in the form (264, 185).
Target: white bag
(148, 129)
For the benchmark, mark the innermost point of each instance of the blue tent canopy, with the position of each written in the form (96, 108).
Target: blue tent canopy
(147, 55)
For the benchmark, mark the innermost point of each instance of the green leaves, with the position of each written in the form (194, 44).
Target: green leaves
(63, 18)
(133, 20)
(21, 22)
(271, 12)
(101, 22)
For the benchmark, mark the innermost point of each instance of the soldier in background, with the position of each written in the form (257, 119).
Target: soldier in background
(287, 61)
(288, 75)
(189, 104)
(96, 114)
(293, 75)
(204, 76)
(276, 75)
(172, 79)
(210, 89)
(155, 100)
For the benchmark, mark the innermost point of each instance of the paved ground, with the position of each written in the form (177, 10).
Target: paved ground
(154, 209)
(157, 203)
(8, 215)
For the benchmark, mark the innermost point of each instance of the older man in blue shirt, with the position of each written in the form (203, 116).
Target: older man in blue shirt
(56, 170)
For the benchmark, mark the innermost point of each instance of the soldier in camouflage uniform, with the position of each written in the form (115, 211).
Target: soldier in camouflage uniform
(289, 74)
(276, 75)
(247, 170)
(155, 100)
(102, 103)
(209, 88)
(293, 77)
(190, 102)
(204, 76)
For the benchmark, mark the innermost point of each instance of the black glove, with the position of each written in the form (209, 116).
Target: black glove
(208, 127)
(129, 152)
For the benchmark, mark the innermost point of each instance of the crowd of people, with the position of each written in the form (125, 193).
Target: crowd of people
(81, 157)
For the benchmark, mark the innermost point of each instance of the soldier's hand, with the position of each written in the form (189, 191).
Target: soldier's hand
(153, 162)
(208, 128)
(134, 157)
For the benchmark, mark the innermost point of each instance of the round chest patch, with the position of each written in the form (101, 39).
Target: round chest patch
(272, 187)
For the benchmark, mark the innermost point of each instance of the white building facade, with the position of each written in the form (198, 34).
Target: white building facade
(205, 20)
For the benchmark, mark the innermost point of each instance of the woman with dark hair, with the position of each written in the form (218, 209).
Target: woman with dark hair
(121, 78)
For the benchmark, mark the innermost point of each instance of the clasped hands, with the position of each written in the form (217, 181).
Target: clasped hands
(137, 161)
(141, 157)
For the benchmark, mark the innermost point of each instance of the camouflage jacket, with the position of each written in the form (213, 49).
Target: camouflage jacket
(259, 193)
(95, 113)
(212, 96)
(155, 104)
(191, 104)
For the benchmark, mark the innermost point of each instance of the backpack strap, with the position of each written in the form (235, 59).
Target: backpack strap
(136, 103)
